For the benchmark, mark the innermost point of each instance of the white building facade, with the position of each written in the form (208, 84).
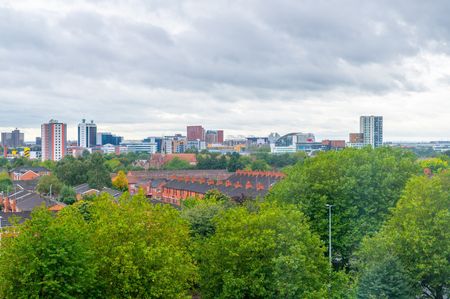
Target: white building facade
(372, 129)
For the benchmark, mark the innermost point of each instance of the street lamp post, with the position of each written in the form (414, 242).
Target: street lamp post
(329, 247)
(329, 232)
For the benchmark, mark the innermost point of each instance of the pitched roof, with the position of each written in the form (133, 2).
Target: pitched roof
(114, 193)
(83, 188)
(27, 200)
(24, 169)
(29, 185)
(236, 188)
(156, 182)
(20, 216)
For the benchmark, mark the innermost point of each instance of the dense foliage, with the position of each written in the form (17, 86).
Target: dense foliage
(68, 195)
(99, 249)
(177, 164)
(415, 240)
(360, 184)
(389, 230)
(49, 185)
(5, 182)
(259, 160)
(267, 253)
(89, 169)
(50, 258)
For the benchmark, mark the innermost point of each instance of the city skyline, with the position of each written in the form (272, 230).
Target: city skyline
(145, 68)
(72, 133)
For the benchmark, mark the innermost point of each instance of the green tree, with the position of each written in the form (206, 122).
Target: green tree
(49, 183)
(436, 165)
(21, 161)
(5, 182)
(386, 279)
(206, 160)
(113, 165)
(200, 212)
(267, 253)
(49, 164)
(362, 185)
(237, 162)
(49, 258)
(417, 235)
(98, 175)
(67, 195)
(177, 164)
(260, 165)
(141, 249)
(72, 171)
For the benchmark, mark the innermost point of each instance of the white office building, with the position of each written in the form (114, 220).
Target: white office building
(372, 129)
(140, 147)
(87, 134)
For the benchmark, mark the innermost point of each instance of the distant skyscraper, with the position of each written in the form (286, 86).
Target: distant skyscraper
(87, 134)
(54, 140)
(214, 137)
(372, 129)
(13, 139)
(108, 138)
(195, 133)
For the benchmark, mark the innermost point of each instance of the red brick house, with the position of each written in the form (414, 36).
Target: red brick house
(28, 173)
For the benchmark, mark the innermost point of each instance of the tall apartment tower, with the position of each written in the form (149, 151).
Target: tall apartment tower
(372, 129)
(87, 134)
(54, 140)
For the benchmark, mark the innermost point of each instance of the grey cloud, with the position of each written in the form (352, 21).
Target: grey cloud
(132, 63)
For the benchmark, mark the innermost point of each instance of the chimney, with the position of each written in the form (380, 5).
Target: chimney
(13, 205)
(248, 185)
(211, 182)
(238, 185)
(219, 182)
(202, 180)
(259, 186)
(228, 183)
(6, 204)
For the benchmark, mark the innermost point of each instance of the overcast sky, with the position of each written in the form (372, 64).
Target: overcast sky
(142, 68)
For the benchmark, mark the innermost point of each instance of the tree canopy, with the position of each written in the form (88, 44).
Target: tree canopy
(51, 257)
(5, 182)
(99, 249)
(267, 253)
(362, 185)
(417, 236)
(49, 185)
(177, 164)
